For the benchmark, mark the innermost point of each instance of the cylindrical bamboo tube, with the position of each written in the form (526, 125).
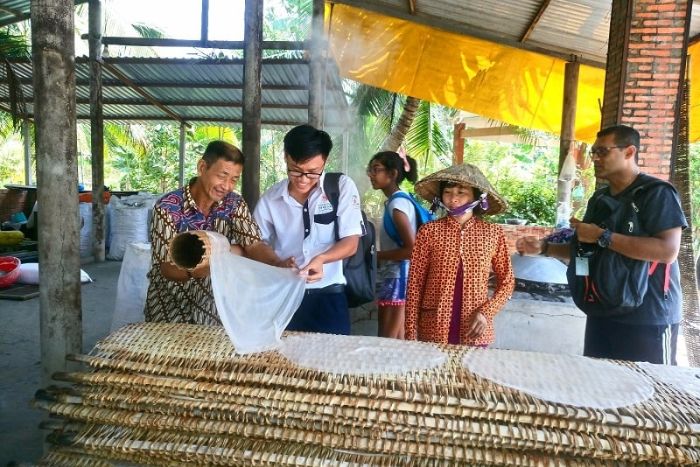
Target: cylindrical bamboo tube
(190, 250)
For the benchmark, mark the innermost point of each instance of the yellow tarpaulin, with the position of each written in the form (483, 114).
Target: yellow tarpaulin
(499, 82)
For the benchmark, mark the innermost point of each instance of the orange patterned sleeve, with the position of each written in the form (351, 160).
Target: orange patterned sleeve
(416, 281)
(505, 280)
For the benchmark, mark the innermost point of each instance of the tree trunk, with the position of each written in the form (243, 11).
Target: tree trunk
(686, 261)
(397, 135)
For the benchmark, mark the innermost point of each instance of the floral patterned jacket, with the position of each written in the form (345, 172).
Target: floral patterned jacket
(439, 247)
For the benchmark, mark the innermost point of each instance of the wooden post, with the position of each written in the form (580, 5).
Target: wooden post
(27, 152)
(567, 144)
(316, 66)
(252, 90)
(53, 58)
(204, 31)
(97, 130)
(181, 168)
(458, 144)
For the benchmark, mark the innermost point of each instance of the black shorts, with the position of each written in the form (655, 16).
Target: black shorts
(638, 343)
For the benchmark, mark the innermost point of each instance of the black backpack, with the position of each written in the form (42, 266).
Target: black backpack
(615, 284)
(360, 269)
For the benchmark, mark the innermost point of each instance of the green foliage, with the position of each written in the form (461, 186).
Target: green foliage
(695, 193)
(535, 202)
(523, 174)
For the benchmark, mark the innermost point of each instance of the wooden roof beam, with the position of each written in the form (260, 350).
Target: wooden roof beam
(199, 43)
(504, 130)
(535, 20)
(412, 6)
(108, 83)
(115, 71)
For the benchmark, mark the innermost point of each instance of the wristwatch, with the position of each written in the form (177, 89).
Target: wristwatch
(605, 238)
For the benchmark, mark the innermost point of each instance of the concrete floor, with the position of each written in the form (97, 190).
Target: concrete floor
(20, 367)
(524, 324)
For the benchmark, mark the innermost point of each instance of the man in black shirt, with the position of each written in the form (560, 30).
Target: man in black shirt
(648, 332)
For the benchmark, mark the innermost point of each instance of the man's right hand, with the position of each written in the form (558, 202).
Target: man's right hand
(290, 262)
(529, 245)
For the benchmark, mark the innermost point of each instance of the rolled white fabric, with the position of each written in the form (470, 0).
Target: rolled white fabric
(255, 301)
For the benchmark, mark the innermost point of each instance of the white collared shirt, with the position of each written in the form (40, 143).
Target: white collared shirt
(281, 222)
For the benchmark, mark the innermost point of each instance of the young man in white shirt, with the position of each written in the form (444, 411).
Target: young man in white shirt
(296, 218)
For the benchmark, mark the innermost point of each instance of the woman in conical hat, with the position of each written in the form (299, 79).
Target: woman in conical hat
(448, 298)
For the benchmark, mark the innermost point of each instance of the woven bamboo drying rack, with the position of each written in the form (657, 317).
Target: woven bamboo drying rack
(170, 394)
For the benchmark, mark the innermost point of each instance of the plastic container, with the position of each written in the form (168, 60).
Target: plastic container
(9, 270)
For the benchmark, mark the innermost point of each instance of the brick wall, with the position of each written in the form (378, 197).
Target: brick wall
(648, 79)
(514, 232)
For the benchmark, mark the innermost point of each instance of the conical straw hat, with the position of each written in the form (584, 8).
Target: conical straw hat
(464, 174)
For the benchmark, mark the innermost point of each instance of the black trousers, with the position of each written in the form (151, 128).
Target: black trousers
(322, 312)
(638, 343)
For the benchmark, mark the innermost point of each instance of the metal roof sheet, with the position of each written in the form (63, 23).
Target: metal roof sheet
(12, 11)
(567, 27)
(195, 90)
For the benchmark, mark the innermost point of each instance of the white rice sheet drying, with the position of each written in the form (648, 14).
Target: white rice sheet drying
(360, 355)
(562, 379)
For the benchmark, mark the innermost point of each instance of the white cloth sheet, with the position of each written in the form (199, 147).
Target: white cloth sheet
(255, 301)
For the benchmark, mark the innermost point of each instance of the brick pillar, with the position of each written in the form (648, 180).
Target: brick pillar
(647, 45)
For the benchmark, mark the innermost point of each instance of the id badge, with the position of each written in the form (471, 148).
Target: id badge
(581, 266)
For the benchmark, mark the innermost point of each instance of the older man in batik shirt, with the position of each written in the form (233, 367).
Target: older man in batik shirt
(206, 203)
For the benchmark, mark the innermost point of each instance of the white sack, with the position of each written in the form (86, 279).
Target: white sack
(255, 301)
(129, 222)
(132, 285)
(85, 229)
(29, 274)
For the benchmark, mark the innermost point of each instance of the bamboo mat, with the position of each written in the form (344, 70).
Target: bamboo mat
(165, 394)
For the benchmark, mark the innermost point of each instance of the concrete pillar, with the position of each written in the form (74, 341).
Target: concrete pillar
(97, 143)
(567, 145)
(252, 90)
(53, 58)
(646, 59)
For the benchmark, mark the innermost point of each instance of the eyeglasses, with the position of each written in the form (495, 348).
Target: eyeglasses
(309, 175)
(602, 151)
(375, 170)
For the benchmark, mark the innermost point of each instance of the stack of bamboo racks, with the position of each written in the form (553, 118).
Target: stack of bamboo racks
(169, 394)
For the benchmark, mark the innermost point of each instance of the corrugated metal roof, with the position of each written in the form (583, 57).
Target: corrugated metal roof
(196, 90)
(12, 11)
(567, 27)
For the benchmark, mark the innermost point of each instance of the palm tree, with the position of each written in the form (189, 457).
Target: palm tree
(396, 137)
(14, 45)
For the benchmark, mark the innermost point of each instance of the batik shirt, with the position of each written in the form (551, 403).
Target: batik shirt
(191, 301)
(440, 247)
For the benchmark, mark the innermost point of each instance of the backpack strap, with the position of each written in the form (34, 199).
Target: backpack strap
(389, 226)
(667, 276)
(331, 187)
